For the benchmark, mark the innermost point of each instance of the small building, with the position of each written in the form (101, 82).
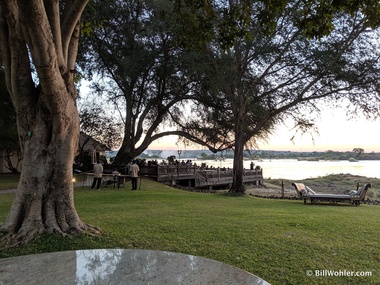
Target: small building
(87, 144)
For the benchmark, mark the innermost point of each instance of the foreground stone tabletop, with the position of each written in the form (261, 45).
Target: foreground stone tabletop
(120, 266)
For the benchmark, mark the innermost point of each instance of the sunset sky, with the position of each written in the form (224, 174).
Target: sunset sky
(336, 133)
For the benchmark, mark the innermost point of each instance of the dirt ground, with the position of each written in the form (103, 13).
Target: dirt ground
(270, 191)
(334, 184)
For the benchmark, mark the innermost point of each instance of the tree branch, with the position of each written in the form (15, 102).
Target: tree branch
(53, 14)
(70, 20)
(145, 144)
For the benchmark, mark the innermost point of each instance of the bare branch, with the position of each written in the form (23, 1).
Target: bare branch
(70, 20)
(53, 14)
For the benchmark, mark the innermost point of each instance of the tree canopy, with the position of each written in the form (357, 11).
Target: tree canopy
(245, 66)
(140, 68)
(100, 126)
(264, 78)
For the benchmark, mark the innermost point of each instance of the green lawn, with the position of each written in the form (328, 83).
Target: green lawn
(278, 240)
(8, 181)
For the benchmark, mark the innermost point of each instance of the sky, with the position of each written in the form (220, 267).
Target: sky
(336, 133)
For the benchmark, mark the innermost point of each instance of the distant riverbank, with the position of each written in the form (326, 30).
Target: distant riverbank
(358, 154)
(301, 169)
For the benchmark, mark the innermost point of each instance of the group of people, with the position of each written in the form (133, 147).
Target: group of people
(172, 161)
(134, 170)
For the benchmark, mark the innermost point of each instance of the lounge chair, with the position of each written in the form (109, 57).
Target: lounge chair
(354, 197)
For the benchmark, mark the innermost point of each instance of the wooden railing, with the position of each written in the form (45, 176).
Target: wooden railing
(204, 177)
(175, 170)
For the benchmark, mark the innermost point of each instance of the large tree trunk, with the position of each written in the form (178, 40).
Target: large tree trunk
(44, 201)
(237, 186)
(33, 32)
(126, 152)
(44, 198)
(240, 140)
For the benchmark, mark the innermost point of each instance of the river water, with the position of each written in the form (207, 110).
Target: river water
(294, 169)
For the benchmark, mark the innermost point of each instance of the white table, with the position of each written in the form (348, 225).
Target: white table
(120, 266)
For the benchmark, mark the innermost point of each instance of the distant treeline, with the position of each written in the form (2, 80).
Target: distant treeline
(264, 154)
(328, 155)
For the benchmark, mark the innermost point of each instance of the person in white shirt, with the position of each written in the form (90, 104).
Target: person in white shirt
(98, 171)
(134, 174)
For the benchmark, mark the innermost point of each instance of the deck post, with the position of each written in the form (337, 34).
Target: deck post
(282, 189)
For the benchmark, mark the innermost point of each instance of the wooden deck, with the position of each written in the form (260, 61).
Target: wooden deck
(194, 177)
(185, 175)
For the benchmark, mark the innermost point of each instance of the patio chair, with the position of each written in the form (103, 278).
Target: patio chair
(354, 197)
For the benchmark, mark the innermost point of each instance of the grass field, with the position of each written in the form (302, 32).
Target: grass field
(9, 181)
(278, 240)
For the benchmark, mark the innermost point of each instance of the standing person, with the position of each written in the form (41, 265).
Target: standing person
(134, 174)
(98, 171)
